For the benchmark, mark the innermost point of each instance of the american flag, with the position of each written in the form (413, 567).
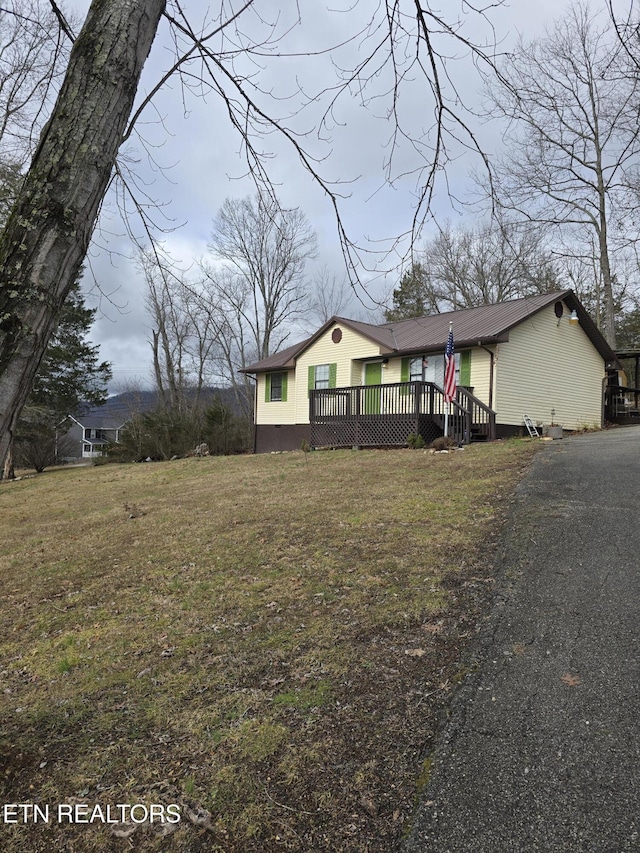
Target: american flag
(449, 369)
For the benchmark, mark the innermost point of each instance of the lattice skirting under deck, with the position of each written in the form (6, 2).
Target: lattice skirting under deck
(376, 431)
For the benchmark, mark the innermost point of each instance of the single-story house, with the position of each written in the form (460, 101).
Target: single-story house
(358, 384)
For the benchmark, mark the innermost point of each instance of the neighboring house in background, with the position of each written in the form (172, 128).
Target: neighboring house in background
(87, 435)
(356, 384)
(84, 436)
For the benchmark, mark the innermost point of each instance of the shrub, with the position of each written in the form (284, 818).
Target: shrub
(415, 441)
(224, 432)
(165, 433)
(443, 442)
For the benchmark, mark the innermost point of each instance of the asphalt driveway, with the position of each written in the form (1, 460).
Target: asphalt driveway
(542, 748)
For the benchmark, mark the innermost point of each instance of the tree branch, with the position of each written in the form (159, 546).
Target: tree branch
(64, 25)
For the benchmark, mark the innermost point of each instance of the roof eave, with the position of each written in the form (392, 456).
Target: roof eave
(272, 368)
(590, 329)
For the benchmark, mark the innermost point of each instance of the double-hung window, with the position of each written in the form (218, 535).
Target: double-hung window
(321, 376)
(276, 388)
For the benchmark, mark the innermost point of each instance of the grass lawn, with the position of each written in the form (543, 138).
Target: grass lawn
(264, 641)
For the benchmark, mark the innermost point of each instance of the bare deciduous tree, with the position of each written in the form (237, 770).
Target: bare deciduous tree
(227, 302)
(261, 249)
(33, 54)
(465, 267)
(48, 231)
(32, 59)
(184, 333)
(253, 288)
(488, 264)
(329, 296)
(573, 135)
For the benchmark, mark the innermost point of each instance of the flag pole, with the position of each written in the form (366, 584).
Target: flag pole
(449, 378)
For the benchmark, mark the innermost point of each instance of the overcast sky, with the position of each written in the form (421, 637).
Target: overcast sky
(199, 153)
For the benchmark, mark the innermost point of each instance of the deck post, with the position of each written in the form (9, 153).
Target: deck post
(417, 393)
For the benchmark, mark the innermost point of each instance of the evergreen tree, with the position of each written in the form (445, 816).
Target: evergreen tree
(70, 378)
(410, 298)
(70, 374)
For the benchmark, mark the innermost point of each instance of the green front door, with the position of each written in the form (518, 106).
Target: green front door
(372, 376)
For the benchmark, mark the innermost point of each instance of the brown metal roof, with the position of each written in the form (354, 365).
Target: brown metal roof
(485, 324)
(279, 360)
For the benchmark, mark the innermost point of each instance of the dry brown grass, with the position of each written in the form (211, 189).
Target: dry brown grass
(263, 640)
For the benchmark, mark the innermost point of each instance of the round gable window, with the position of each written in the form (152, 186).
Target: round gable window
(336, 335)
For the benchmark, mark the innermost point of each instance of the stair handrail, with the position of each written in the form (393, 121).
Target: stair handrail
(465, 392)
(472, 400)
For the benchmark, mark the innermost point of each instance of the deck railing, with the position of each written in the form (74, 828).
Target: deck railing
(621, 403)
(481, 418)
(381, 415)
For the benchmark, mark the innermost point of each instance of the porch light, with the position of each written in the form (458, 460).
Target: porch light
(573, 319)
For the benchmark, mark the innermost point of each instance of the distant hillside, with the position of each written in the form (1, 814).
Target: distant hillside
(120, 407)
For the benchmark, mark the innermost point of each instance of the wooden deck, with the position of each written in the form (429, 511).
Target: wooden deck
(622, 405)
(387, 415)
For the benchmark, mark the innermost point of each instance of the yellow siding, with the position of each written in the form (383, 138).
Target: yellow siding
(392, 372)
(356, 376)
(545, 366)
(324, 351)
(480, 374)
(276, 413)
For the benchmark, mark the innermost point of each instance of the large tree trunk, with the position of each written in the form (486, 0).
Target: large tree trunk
(8, 472)
(608, 327)
(48, 232)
